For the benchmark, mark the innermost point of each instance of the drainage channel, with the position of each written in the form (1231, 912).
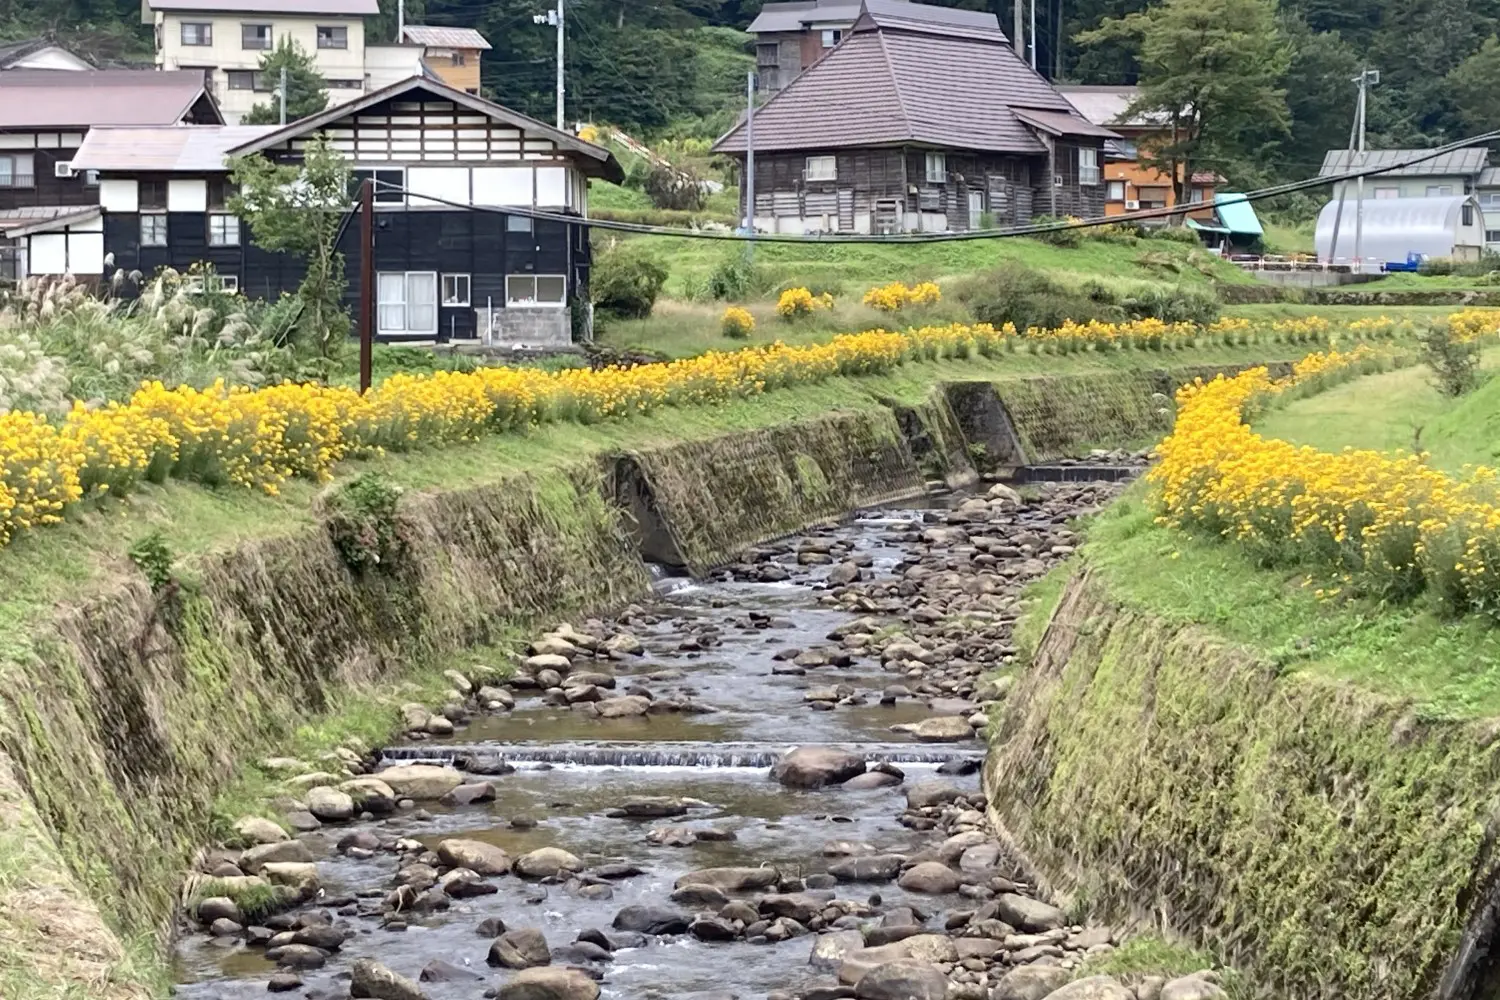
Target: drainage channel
(657, 857)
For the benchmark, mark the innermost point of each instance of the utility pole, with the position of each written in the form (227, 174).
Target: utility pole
(400, 21)
(750, 162)
(283, 95)
(555, 17)
(366, 282)
(1033, 34)
(1018, 33)
(1366, 79)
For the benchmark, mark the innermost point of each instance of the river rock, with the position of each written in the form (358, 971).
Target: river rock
(544, 862)
(1004, 496)
(980, 857)
(470, 793)
(297, 956)
(930, 948)
(421, 782)
(330, 805)
(254, 830)
(712, 929)
(872, 779)
(439, 971)
(550, 984)
(1092, 988)
(299, 875)
(868, 868)
(653, 807)
(1031, 982)
(521, 948)
(370, 795)
(930, 793)
(1028, 914)
(1192, 987)
(461, 883)
(256, 858)
(368, 978)
(496, 698)
(829, 950)
(815, 767)
(284, 982)
(439, 725)
(904, 980)
(224, 927)
(649, 919)
(624, 706)
(218, 908)
(548, 661)
(699, 897)
(732, 879)
(942, 729)
(475, 855)
(931, 877)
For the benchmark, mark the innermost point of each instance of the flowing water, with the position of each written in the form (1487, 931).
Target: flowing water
(709, 643)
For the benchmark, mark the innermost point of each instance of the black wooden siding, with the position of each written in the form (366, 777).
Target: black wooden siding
(49, 189)
(448, 242)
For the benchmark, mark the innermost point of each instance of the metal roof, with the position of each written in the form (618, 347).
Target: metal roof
(1391, 228)
(1457, 163)
(1489, 177)
(1237, 214)
(1110, 105)
(799, 14)
(338, 8)
(335, 8)
(607, 166)
(894, 81)
(444, 38)
(1062, 123)
(16, 222)
(60, 98)
(168, 149)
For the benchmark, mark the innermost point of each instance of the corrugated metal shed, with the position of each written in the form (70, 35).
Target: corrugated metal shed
(1459, 162)
(56, 98)
(955, 83)
(171, 149)
(338, 8)
(1395, 227)
(444, 38)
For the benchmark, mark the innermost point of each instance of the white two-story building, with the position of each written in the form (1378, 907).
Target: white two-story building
(226, 40)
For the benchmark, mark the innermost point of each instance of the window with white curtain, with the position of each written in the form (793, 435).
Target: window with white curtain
(821, 168)
(1088, 165)
(535, 290)
(407, 302)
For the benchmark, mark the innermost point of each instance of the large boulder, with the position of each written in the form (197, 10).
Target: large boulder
(370, 794)
(732, 879)
(475, 855)
(943, 729)
(829, 950)
(544, 862)
(256, 858)
(423, 782)
(624, 706)
(930, 877)
(904, 980)
(330, 805)
(1092, 988)
(1193, 987)
(550, 984)
(815, 767)
(929, 948)
(368, 978)
(649, 919)
(254, 830)
(930, 793)
(869, 868)
(1030, 982)
(1027, 914)
(521, 948)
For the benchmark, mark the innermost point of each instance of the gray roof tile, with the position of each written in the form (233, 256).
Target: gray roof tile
(169, 149)
(57, 98)
(445, 38)
(336, 8)
(1463, 161)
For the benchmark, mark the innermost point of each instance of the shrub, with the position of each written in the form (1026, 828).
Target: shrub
(1058, 237)
(153, 558)
(737, 323)
(818, 287)
(362, 522)
(626, 281)
(1179, 304)
(797, 302)
(674, 189)
(896, 296)
(1454, 360)
(734, 278)
(1173, 234)
(1025, 298)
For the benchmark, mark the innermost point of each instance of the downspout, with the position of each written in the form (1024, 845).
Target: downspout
(1051, 174)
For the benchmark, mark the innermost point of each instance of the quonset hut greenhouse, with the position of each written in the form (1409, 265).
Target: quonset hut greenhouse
(1394, 228)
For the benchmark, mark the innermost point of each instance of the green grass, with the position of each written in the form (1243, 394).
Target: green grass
(1448, 668)
(1149, 955)
(1284, 239)
(1294, 310)
(614, 197)
(1399, 409)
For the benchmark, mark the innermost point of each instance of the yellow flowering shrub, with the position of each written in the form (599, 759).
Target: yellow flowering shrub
(737, 323)
(1388, 523)
(796, 302)
(896, 296)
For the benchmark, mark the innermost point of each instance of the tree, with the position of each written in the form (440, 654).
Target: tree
(1475, 84)
(306, 90)
(1212, 70)
(299, 209)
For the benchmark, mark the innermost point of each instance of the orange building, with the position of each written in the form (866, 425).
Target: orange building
(1130, 185)
(450, 55)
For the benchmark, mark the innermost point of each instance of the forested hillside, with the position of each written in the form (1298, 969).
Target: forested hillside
(675, 68)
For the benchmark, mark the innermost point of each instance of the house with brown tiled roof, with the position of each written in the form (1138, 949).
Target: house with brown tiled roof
(918, 125)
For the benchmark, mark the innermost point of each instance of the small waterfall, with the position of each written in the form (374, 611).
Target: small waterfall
(747, 755)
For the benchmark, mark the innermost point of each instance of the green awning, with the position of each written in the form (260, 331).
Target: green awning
(1195, 224)
(1237, 215)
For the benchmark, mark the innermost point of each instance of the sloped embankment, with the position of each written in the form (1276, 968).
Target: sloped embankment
(124, 716)
(1323, 838)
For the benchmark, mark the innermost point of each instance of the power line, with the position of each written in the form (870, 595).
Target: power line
(910, 239)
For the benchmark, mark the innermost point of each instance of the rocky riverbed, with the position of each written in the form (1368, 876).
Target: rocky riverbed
(758, 786)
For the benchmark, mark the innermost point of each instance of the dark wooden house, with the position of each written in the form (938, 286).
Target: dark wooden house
(49, 210)
(451, 262)
(919, 124)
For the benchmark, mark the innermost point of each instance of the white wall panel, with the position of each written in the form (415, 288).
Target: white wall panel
(49, 254)
(448, 183)
(86, 253)
(552, 187)
(503, 186)
(187, 195)
(119, 196)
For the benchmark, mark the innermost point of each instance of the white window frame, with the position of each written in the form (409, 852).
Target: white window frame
(1492, 235)
(21, 165)
(821, 168)
(1440, 190)
(229, 284)
(262, 44)
(1195, 195)
(203, 34)
(518, 282)
(937, 168)
(831, 37)
(223, 229)
(459, 281)
(158, 229)
(1387, 192)
(333, 34)
(1088, 166)
(383, 283)
(1115, 191)
(1489, 199)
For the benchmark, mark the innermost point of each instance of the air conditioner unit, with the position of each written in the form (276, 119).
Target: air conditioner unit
(1132, 206)
(62, 170)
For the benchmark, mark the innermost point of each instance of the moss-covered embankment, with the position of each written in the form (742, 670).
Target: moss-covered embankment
(126, 711)
(1325, 839)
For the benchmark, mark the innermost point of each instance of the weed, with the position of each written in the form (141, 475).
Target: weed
(363, 524)
(153, 558)
(1454, 362)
